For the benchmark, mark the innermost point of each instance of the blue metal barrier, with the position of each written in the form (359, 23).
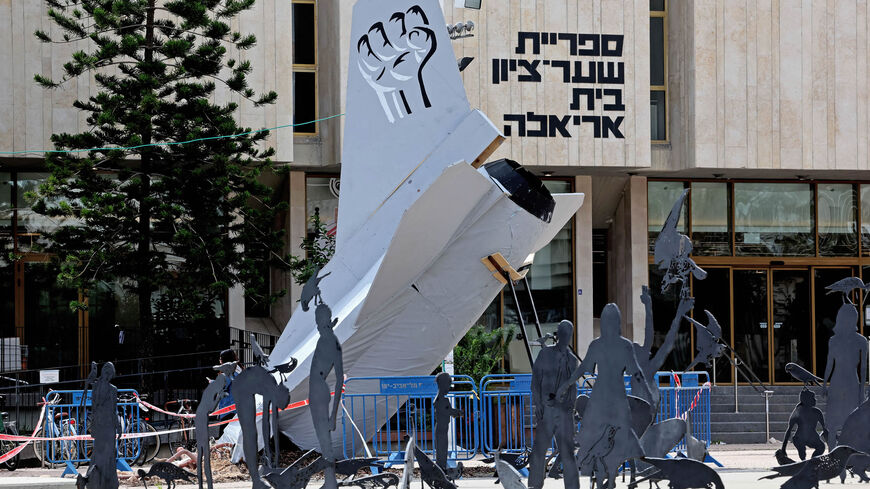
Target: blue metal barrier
(676, 401)
(66, 415)
(403, 406)
(506, 412)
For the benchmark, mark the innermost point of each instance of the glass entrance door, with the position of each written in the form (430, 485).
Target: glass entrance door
(751, 321)
(791, 322)
(773, 321)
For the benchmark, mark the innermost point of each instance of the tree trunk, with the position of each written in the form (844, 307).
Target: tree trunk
(144, 287)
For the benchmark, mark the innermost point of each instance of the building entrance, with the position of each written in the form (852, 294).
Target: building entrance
(773, 316)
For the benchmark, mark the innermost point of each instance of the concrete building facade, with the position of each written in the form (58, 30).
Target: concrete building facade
(759, 106)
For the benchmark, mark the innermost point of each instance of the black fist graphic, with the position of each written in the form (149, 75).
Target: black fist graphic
(391, 59)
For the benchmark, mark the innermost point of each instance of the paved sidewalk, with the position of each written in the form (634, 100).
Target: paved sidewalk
(744, 464)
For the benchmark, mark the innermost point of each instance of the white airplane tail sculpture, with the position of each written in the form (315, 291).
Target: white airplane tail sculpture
(417, 213)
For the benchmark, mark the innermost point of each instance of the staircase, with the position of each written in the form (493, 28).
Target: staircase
(747, 425)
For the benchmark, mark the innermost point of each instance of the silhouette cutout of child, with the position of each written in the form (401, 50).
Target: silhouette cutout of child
(443, 412)
(805, 417)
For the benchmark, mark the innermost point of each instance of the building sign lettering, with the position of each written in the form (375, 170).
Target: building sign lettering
(584, 99)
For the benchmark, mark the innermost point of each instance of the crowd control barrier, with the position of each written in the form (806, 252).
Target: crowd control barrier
(67, 416)
(501, 417)
(686, 396)
(397, 407)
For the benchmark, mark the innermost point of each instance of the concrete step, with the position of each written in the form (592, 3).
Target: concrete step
(747, 426)
(739, 438)
(755, 408)
(754, 417)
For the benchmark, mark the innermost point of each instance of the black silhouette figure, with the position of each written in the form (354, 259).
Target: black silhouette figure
(554, 414)
(392, 58)
(252, 381)
(517, 460)
(806, 478)
(508, 474)
(857, 464)
(596, 456)
(611, 355)
(660, 438)
(285, 368)
(846, 286)
(847, 351)
(650, 364)
(327, 356)
(828, 466)
(856, 429)
(685, 473)
(803, 420)
(294, 476)
(211, 396)
(351, 466)
(672, 252)
(105, 426)
(274, 399)
(707, 341)
(168, 472)
(443, 412)
(408, 469)
(260, 357)
(311, 290)
(430, 472)
(802, 375)
(782, 458)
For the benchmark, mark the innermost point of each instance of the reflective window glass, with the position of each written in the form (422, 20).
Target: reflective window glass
(304, 101)
(551, 279)
(322, 199)
(774, 219)
(657, 5)
(657, 51)
(711, 230)
(838, 224)
(657, 115)
(303, 33)
(660, 198)
(865, 219)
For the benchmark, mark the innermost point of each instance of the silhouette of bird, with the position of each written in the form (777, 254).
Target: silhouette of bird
(260, 356)
(695, 448)
(168, 472)
(857, 464)
(518, 460)
(293, 477)
(508, 475)
(226, 368)
(311, 290)
(430, 472)
(801, 374)
(285, 368)
(408, 469)
(685, 473)
(827, 466)
(846, 286)
(672, 251)
(806, 478)
(707, 340)
(782, 458)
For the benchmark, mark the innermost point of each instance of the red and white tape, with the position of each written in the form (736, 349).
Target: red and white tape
(15, 451)
(695, 401)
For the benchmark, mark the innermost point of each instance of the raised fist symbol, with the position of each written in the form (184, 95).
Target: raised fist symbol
(391, 59)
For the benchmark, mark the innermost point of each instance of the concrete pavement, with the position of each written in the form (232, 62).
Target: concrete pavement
(744, 464)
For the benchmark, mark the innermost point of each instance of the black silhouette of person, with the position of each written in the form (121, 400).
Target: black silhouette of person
(443, 412)
(650, 364)
(805, 417)
(105, 426)
(252, 381)
(847, 351)
(554, 415)
(606, 438)
(211, 397)
(327, 356)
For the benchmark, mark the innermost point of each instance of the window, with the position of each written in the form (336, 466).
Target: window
(658, 70)
(774, 219)
(711, 230)
(660, 199)
(304, 66)
(321, 195)
(838, 220)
